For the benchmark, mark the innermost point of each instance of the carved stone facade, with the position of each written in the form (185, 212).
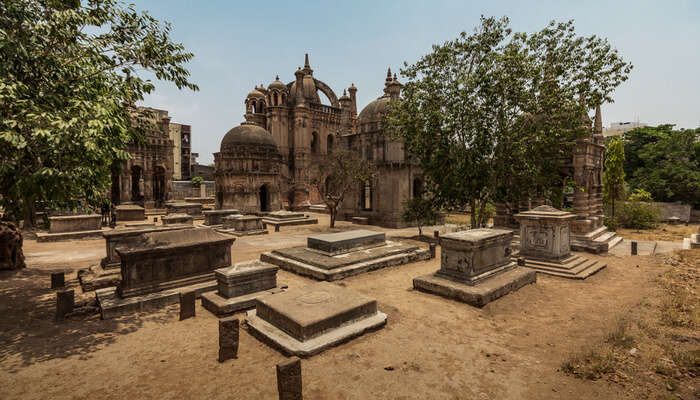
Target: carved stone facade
(146, 178)
(291, 118)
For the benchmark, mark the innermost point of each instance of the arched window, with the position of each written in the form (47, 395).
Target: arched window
(366, 196)
(314, 142)
(274, 98)
(252, 107)
(329, 144)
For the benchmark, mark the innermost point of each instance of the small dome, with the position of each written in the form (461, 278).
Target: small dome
(256, 94)
(277, 84)
(248, 134)
(374, 111)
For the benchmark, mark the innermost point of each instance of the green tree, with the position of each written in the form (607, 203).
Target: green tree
(338, 173)
(421, 211)
(197, 181)
(491, 116)
(614, 175)
(664, 162)
(68, 84)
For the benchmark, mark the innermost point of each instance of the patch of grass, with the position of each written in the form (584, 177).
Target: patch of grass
(593, 364)
(620, 336)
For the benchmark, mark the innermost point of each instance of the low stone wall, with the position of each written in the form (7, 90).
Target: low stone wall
(671, 211)
(75, 223)
(183, 189)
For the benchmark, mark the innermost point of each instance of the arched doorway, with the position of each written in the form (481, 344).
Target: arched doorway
(136, 183)
(264, 198)
(159, 185)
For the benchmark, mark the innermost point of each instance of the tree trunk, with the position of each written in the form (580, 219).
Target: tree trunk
(420, 231)
(474, 222)
(332, 210)
(29, 215)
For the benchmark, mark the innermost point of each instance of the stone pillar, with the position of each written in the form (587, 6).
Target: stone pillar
(65, 299)
(202, 190)
(57, 280)
(289, 379)
(228, 338)
(187, 308)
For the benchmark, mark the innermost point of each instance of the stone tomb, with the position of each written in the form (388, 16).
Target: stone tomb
(243, 225)
(239, 285)
(162, 264)
(216, 217)
(475, 267)
(287, 218)
(545, 243)
(129, 237)
(693, 242)
(177, 219)
(338, 255)
(184, 208)
(308, 320)
(72, 227)
(130, 212)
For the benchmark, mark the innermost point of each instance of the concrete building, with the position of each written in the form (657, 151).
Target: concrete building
(181, 135)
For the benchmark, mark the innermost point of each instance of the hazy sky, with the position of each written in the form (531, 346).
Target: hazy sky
(241, 44)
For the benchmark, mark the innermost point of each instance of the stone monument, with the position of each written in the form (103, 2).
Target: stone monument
(693, 242)
(545, 237)
(476, 267)
(287, 218)
(239, 285)
(336, 256)
(243, 225)
(70, 227)
(216, 217)
(194, 209)
(177, 219)
(130, 212)
(308, 320)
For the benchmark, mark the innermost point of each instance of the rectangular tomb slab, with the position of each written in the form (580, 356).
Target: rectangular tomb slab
(473, 255)
(344, 242)
(308, 320)
(75, 223)
(246, 277)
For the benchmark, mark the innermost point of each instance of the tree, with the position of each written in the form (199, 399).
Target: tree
(339, 173)
(421, 211)
(68, 84)
(664, 162)
(197, 181)
(614, 175)
(489, 115)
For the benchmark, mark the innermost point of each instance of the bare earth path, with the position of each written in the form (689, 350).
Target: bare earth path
(431, 347)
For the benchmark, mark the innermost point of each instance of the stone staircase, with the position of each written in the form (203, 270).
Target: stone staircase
(597, 241)
(573, 267)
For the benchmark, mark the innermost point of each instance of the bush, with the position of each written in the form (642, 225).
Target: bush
(197, 181)
(636, 215)
(640, 195)
(421, 211)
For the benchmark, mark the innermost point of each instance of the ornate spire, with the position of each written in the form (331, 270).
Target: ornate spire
(306, 61)
(598, 124)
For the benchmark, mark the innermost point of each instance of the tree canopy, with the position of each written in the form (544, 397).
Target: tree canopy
(489, 114)
(69, 77)
(664, 162)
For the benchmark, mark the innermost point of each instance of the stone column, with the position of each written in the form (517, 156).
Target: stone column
(228, 338)
(289, 384)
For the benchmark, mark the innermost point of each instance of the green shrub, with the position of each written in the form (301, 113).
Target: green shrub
(637, 215)
(421, 211)
(197, 181)
(640, 195)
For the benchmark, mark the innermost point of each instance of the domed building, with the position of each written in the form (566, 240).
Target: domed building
(292, 118)
(248, 170)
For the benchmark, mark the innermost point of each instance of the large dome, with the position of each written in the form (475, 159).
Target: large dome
(374, 111)
(247, 134)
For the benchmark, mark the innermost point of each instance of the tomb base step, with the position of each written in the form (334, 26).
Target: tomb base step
(600, 243)
(242, 233)
(112, 306)
(220, 306)
(289, 346)
(476, 295)
(57, 237)
(575, 267)
(304, 269)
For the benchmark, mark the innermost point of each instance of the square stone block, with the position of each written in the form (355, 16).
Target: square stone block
(243, 223)
(545, 233)
(343, 242)
(216, 217)
(130, 212)
(473, 255)
(246, 277)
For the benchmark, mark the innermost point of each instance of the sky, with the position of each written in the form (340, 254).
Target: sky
(241, 44)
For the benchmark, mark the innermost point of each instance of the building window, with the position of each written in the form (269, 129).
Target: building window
(366, 196)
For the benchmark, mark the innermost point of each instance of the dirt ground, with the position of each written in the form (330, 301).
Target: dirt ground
(431, 348)
(665, 232)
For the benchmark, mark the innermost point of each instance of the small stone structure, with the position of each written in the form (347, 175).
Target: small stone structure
(11, 255)
(216, 217)
(58, 280)
(72, 227)
(289, 385)
(200, 200)
(194, 209)
(130, 212)
(129, 237)
(693, 242)
(65, 300)
(545, 235)
(287, 218)
(239, 286)
(475, 267)
(338, 255)
(160, 265)
(308, 320)
(243, 225)
(187, 307)
(177, 219)
(228, 338)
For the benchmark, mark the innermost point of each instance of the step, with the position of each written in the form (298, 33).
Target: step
(605, 237)
(582, 271)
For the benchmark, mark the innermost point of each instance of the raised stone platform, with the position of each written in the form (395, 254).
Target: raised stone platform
(75, 223)
(200, 200)
(243, 225)
(194, 209)
(693, 242)
(287, 218)
(216, 217)
(475, 267)
(177, 219)
(239, 285)
(339, 255)
(129, 237)
(57, 237)
(308, 320)
(573, 267)
(130, 212)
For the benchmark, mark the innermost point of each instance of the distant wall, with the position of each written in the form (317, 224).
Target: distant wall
(182, 189)
(674, 210)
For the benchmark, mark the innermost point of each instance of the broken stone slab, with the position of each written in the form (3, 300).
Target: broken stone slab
(344, 242)
(239, 286)
(308, 320)
(228, 338)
